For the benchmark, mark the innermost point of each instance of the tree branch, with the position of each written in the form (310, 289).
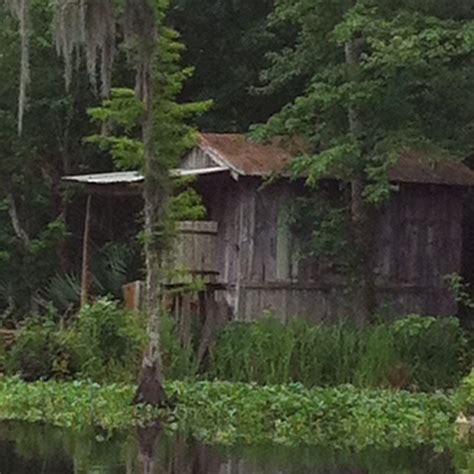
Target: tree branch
(17, 227)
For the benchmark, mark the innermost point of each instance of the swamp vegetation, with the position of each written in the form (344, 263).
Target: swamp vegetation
(243, 414)
(105, 342)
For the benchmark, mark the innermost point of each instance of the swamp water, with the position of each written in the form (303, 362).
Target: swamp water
(34, 449)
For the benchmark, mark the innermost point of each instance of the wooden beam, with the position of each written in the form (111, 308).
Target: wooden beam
(86, 279)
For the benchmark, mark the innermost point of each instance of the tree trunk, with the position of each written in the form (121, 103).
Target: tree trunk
(148, 439)
(86, 260)
(361, 211)
(150, 390)
(363, 232)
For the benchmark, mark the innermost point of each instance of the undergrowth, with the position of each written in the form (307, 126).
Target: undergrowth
(105, 344)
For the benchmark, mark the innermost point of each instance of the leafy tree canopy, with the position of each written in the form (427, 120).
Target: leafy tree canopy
(411, 87)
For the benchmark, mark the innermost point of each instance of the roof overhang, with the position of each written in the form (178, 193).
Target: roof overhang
(128, 182)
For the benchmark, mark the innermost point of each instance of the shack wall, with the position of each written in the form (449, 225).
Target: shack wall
(419, 242)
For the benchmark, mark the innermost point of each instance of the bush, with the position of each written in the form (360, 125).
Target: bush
(104, 344)
(42, 352)
(416, 352)
(110, 341)
(434, 351)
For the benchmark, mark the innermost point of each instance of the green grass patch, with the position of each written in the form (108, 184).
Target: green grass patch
(245, 414)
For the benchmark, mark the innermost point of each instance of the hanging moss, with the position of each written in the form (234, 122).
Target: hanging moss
(89, 25)
(21, 11)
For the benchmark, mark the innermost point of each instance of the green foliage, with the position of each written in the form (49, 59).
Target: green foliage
(110, 342)
(320, 224)
(42, 352)
(75, 405)
(225, 413)
(460, 290)
(186, 204)
(114, 265)
(436, 350)
(230, 414)
(31, 166)
(465, 396)
(120, 116)
(419, 353)
(105, 343)
(407, 89)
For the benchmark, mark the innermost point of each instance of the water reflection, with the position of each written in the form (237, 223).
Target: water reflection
(26, 449)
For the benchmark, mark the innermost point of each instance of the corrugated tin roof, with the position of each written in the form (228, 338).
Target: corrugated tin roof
(253, 159)
(132, 177)
(121, 177)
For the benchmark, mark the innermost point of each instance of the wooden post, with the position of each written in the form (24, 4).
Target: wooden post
(85, 281)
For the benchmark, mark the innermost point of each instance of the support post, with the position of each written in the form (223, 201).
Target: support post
(85, 280)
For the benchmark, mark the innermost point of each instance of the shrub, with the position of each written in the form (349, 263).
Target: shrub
(104, 344)
(434, 350)
(110, 341)
(42, 352)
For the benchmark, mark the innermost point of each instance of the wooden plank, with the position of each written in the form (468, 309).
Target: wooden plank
(195, 249)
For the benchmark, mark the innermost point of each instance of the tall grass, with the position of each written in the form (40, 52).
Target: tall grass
(414, 353)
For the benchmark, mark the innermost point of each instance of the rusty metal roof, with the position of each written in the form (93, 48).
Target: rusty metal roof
(247, 158)
(244, 156)
(418, 168)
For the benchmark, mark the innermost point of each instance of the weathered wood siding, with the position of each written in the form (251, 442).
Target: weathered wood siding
(194, 250)
(196, 159)
(420, 241)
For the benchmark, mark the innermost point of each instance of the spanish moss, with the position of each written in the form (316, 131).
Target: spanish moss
(88, 25)
(21, 11)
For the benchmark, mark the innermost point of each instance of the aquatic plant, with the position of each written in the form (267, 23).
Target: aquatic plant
(244, 414)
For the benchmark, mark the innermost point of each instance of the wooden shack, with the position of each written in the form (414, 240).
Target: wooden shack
(419, 235)
(418, 232)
